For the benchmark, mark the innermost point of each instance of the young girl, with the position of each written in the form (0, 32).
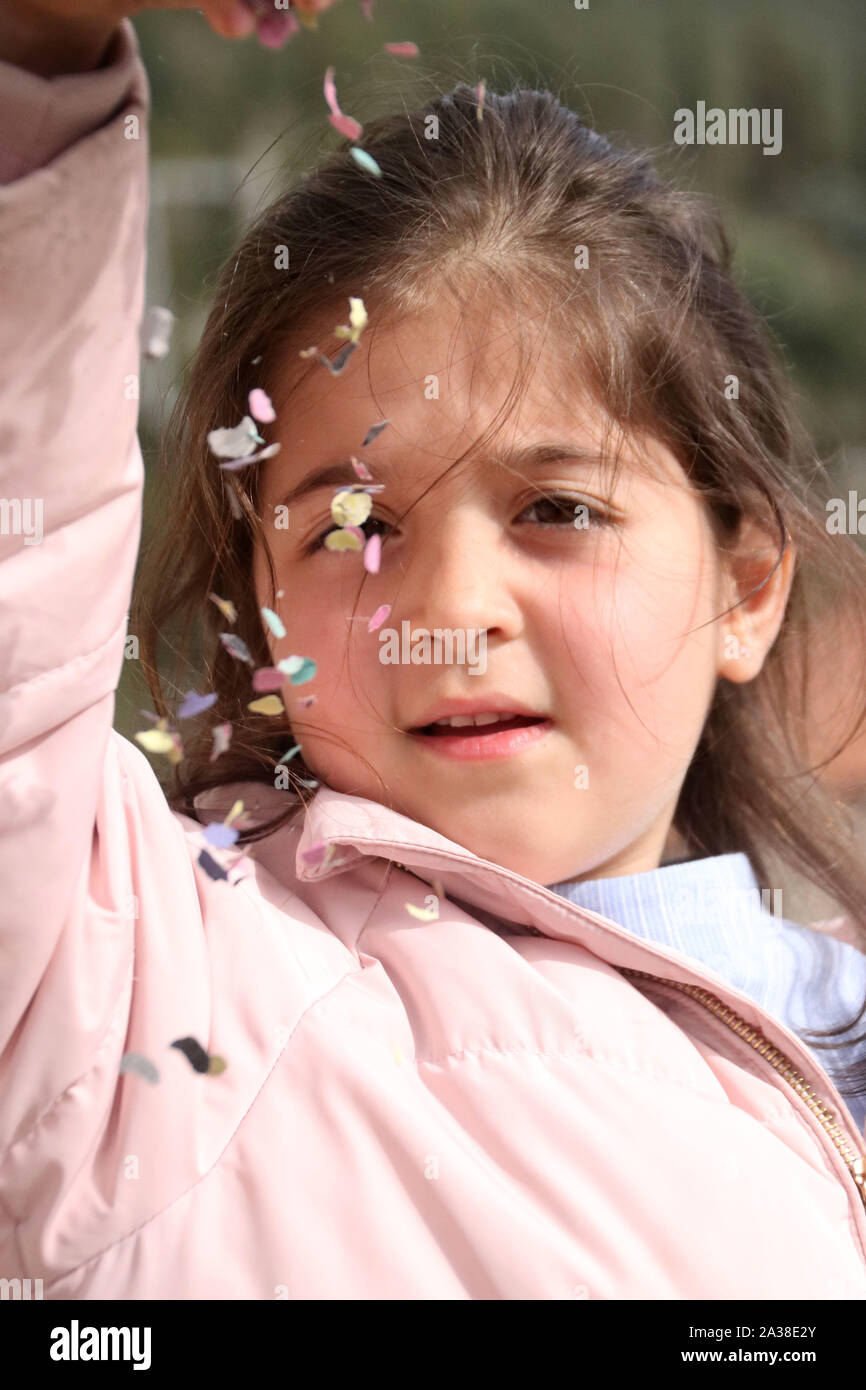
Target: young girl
(378, 1008)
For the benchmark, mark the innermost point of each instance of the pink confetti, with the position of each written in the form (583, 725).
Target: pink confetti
(315, 854)
(268, 678)
(307, 701)
(261, 407)
(403, 50)
(367, 8)
(379, 617)
(373, 554)
(345, 124)
(275, 30)
(361, 470)
(222, 734)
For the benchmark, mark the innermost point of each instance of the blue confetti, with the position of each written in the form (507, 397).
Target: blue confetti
(195, 704)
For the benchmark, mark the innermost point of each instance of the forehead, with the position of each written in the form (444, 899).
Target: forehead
(449, 379)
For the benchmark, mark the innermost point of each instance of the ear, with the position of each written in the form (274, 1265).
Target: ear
(756, 585)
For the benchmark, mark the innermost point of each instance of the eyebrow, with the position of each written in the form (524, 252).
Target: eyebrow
(531, 456)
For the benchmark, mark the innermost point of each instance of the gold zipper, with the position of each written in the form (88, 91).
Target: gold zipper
(779, 1062)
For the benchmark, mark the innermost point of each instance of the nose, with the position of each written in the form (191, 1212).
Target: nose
(458, 574)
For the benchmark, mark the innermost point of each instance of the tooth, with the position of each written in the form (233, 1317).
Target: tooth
(457, 721)
(487, 718)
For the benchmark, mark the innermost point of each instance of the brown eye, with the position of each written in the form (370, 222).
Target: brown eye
(562, 510)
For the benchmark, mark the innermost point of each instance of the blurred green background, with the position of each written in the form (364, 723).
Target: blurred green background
(234, 122)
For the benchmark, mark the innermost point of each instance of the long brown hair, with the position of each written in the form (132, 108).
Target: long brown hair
(651, 321)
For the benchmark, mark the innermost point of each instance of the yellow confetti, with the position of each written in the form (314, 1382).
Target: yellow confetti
(233, 814)
(357, 321)
(423, 914)
(269, 704)
(398, 1056)
(216, 1065)
(225, 606)
(342, 540)
(156, 740)
(351, 508)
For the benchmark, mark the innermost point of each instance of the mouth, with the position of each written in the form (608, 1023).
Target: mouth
(506, 738)
(516, 721)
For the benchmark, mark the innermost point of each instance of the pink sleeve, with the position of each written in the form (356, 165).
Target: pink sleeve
(40, 117)
(72, 257)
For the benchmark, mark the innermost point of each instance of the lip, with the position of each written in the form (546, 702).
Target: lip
(461, 747)
(492, 703)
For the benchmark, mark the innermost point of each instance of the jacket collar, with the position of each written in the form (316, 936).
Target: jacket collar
(343, 831)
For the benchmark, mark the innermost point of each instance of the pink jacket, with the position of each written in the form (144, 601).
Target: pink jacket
(410, 1109)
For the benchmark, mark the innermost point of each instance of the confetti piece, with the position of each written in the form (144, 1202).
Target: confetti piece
(423, 914)
(357, 321)
(319, 854)
(366, 161)
(373, 432)
(226, 607)
(220, 836)
(235, 443)
(268, 704)
(482, 88)
(275, 30)
(154, 718)
(304, 783)
(237, 810)
(398, 1056)
(436, 885)
(379, 617)
(299, 669)
(222, 734)
(274, 622)
(342, 540)
(351, 508)
(345, 124)
(261, 406)
(195, 704)
(254, 362)
(308, 352)
(235, 464)
(216, 1065)
(361, 469)
(140, 1066)
(403, 50)
(193, 1052)
(213, 869)
(307, 701)
(156, 331)
(367, 8)
(308, 20)
(156, 740)
(336, 366)
(296, 748)
(268, 678)
(373, 554)
(236, 647)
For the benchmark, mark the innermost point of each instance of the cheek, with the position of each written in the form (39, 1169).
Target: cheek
(641, 649)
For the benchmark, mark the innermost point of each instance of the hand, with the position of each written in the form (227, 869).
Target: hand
(228, 18)
(53, 37)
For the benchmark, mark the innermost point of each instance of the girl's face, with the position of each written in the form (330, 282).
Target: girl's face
(596, 626)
